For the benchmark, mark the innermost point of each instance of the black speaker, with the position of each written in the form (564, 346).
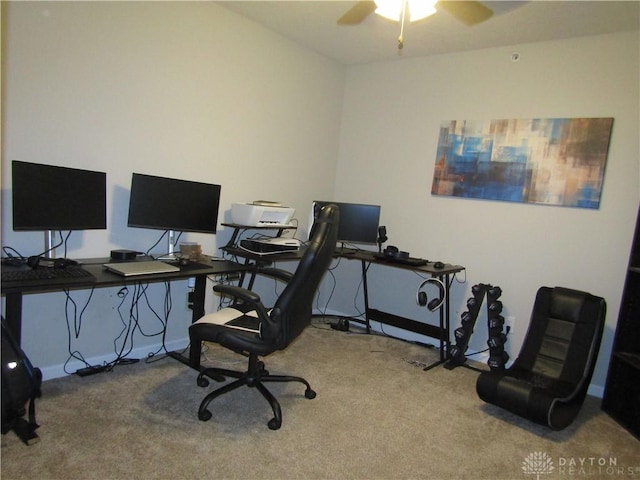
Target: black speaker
(382, 234)
(123, 255)
(382, 237)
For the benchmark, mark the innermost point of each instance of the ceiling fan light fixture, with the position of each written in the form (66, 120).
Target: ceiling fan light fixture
(393, 9)
(419, 9)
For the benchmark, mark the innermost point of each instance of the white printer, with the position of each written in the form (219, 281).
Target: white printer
(261, 214)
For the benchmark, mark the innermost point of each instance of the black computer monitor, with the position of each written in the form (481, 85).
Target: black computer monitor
(173, 205)
(51, 198)
(358, 222)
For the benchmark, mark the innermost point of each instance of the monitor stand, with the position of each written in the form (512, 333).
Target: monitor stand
(170, 256)
(49, 244)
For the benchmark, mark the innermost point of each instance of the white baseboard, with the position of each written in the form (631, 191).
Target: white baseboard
(56, 371)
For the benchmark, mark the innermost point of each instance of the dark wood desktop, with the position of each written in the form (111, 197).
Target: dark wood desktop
(14, 291)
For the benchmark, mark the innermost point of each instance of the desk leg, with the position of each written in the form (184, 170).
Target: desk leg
(199, 293)
(447, 322)
(366, 296)
(443, 336)
(13, 315)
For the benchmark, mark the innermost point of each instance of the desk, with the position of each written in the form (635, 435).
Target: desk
(103, 278)
(440, 332)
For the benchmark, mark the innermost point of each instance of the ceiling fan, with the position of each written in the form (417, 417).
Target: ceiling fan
(468, 12)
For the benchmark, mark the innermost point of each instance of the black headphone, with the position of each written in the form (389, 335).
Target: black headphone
(435, 303)
(392, 251)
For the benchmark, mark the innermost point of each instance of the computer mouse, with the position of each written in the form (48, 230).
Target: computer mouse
(63, 263)
(438, 265)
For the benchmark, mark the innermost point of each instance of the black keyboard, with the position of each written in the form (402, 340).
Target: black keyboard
(412, 261)
(47, 275)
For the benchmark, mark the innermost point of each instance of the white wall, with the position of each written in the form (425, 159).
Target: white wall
(391, 118)
(177, 89)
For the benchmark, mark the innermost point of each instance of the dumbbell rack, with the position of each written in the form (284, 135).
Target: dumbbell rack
(495, 325)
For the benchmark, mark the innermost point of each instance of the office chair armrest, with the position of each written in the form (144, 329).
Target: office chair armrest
(277, 273)
(250, 298)
(238, 292)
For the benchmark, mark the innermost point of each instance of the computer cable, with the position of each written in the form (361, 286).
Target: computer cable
(77, 326)
(342, 320)
(223, 279)
(167, 306)
(8, 257)
(455, 277)
(54, 246)
(133, 324)
(168, 303)
(129, 325)
(6, 250)
(123, 294)
(13, 261)
(164, 234)
(77, 320)
(330, 270)
(64, 242)
(34, 260)
(157, 242)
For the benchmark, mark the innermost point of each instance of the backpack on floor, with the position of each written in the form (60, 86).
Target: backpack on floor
(20, 387)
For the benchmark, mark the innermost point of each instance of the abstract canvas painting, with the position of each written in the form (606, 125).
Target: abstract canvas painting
(557, 161)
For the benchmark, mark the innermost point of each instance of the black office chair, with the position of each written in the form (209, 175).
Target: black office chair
(249, 328)
(548, 382)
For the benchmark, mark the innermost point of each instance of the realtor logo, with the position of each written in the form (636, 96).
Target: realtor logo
(537, 463)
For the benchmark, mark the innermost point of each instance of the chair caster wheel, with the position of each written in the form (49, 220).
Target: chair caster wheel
(308, 393)
(274, 424)
(204, 415)
(202, 382)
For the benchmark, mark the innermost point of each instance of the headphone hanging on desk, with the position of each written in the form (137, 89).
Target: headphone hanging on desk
(435, 303)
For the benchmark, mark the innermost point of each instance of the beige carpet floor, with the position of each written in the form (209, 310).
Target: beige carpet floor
(377, 415)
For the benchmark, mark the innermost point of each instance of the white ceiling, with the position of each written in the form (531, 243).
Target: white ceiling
(312, 23)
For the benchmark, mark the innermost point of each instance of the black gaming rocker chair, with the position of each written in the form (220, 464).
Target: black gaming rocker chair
(548, 382)
(249, 328)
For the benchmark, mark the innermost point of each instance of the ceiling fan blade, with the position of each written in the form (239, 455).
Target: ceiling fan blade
(468, 12)
(357, 13)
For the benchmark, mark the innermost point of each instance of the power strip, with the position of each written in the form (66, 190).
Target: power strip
(83, 372)
(341, 325)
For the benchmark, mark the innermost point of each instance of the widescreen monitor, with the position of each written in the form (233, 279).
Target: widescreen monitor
(52, 198)
(49, 197)
(171, 204)
(358, 222)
